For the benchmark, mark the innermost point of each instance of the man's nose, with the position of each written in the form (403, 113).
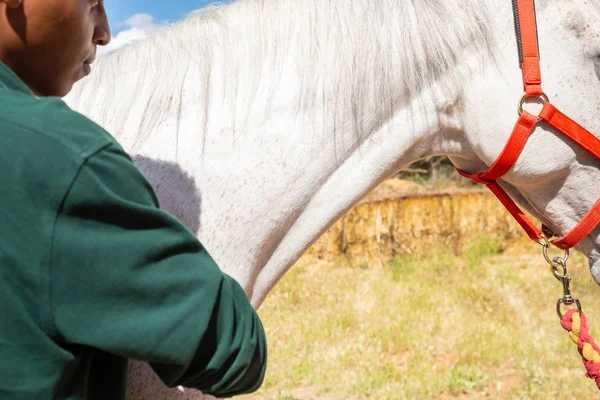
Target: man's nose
(102, 34)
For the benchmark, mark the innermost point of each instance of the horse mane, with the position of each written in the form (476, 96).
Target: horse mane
(361, 53)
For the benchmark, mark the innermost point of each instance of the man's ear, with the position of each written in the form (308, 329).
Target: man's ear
(12, 3)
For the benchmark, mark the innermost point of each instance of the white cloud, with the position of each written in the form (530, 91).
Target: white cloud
(141, 21)
(139, 27)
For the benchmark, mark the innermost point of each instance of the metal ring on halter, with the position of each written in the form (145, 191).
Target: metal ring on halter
(543, 241)
(522, 100)
(567, 302)
(556, 260)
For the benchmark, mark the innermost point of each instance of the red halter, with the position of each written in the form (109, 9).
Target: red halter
(525, 25)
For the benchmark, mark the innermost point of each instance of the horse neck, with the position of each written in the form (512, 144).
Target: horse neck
(260, 166)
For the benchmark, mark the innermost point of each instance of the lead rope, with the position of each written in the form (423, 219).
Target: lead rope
(574, 320)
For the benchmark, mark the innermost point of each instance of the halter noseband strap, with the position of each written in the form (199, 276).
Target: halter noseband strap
(526, 29)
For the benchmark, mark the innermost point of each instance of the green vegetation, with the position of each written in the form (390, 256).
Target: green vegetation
(480, 249)
(435, 326)
(435, 172)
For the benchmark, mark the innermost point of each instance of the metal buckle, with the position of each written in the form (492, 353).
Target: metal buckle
(524, 96)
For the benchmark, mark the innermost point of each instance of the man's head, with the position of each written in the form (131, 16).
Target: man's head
(49, 44)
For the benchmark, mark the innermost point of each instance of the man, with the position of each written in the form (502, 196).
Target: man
(92, 271)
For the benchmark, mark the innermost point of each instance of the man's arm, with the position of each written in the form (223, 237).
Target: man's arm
(130, 279)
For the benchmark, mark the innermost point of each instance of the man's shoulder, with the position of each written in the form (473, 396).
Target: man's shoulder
(49, 122)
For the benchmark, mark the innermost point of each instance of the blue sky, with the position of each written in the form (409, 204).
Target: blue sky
(133, 20)
(163, 11)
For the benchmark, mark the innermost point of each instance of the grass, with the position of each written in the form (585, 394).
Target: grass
(436, 173)
(438, 326)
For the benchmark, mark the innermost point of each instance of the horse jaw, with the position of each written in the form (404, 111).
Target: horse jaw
(576, 92)
(554, 180)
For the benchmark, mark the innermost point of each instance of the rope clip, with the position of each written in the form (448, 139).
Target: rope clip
(565, 279)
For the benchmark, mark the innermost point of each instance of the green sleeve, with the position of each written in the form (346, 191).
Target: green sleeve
(128, 278)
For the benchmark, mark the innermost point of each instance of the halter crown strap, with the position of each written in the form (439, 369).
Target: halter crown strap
(527, 41)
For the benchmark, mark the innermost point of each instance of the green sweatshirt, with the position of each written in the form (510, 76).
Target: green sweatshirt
(93, 272)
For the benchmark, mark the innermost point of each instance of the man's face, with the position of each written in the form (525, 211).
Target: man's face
(52, 42)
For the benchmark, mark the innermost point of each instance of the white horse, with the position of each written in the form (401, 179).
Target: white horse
(261, 122)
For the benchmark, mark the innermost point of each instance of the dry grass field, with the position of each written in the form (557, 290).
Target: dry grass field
(477, 325)
(419, 293)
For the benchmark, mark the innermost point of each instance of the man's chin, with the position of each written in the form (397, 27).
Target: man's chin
(81, 73)
(54, 88)
(59, 92)
(62, 92)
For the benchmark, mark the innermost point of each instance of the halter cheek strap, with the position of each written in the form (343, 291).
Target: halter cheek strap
(526, 29)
